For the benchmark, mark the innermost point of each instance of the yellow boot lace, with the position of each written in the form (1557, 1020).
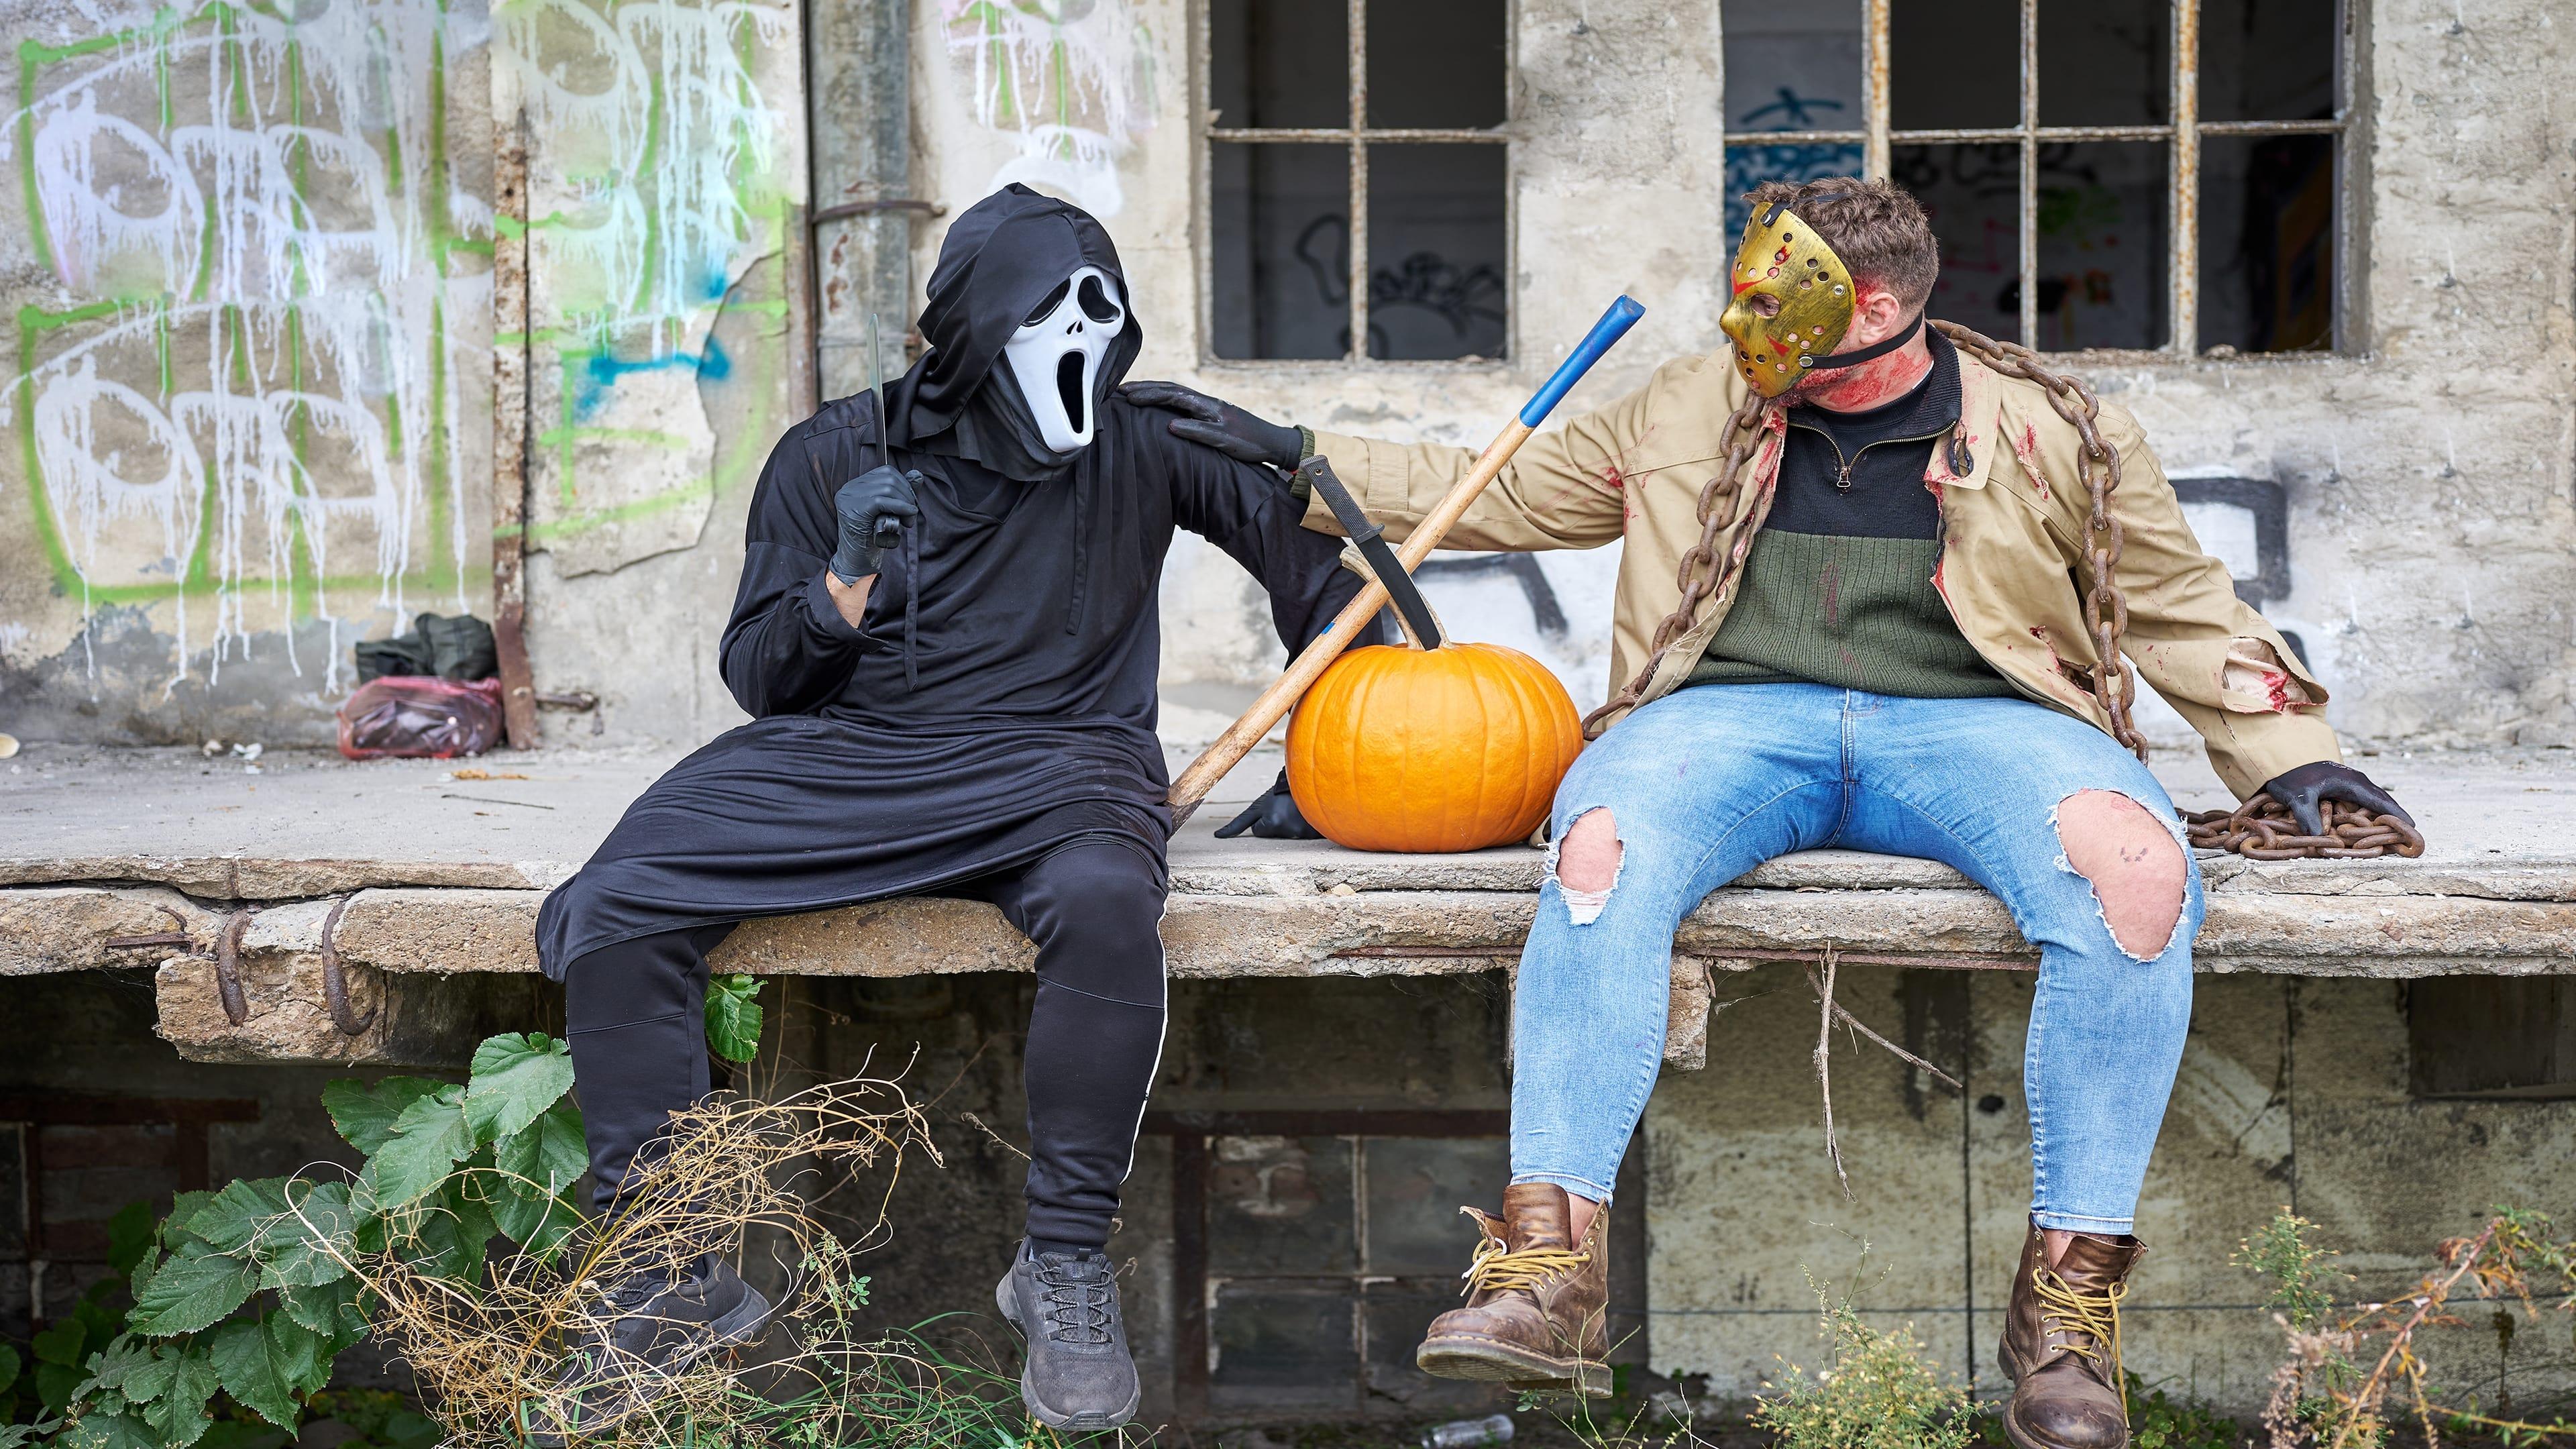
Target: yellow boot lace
(2064, 1310)
(1497, 1268)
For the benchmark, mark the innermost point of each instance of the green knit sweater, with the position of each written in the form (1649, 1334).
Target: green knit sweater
(1853, 612)
(1838, 588)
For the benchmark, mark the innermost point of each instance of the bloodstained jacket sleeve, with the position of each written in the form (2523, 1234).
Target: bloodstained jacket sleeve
(1248, 511)
(787, 650)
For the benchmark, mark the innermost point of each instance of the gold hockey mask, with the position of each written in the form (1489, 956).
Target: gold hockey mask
(1792, 303)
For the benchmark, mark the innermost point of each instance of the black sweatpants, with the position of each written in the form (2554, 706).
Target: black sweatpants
(634, 1013)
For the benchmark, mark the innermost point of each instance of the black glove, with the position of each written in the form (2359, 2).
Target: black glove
(879, 493)
(1272, 817)
(1221, 425)
(2302, 788)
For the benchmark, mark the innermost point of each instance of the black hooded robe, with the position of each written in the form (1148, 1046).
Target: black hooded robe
(988, 730)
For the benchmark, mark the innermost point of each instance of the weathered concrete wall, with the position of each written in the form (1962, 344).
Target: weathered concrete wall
(250, 403)
(245, 261)
(2291, 1093)
(155, 568)
(2427, 471)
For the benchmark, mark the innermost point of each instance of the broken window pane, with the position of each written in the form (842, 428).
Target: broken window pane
(1462, 87)
(1280, 1205)
(2105, 62)
(1972, 193)
(1279, 63)
(1790, 68)
(2102, 247)
(1284, 1345)
(1415, 1187)
(1953, 65)
(1436, 251)
(2267, 243)
(2268, 60)
(1281, 223)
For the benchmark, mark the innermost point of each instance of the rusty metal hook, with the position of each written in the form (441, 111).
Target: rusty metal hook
(335, 986)
(228, 985)
(178, 937)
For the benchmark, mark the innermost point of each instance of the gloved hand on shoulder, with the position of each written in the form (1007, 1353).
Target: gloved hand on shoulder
(1221, 425)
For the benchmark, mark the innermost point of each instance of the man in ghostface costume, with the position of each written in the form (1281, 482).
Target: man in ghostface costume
(968, 711)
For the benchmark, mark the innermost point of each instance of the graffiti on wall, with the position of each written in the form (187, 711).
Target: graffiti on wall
(1074, 79)
(251, 387)
(662, 143)
(236, 388)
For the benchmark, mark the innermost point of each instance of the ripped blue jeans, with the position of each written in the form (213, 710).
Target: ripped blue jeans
(1708, 782)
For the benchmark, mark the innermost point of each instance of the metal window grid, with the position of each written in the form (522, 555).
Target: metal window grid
(1358, 136)
(2184, 133)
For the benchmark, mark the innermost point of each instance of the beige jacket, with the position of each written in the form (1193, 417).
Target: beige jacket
(2011, 525)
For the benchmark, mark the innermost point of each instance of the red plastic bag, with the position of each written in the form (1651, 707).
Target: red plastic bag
(419, 716)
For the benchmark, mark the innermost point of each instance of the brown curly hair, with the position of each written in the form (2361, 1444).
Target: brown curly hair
(1876, 227)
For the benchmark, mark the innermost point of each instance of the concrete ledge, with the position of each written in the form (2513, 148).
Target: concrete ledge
(432, 928)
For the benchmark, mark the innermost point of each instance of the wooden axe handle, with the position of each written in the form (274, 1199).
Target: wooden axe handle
(1275, 702)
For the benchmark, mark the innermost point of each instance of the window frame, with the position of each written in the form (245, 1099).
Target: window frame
(1358, 136)
(2182, 134)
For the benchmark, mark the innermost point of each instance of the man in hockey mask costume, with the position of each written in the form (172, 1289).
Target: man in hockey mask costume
(968, 712)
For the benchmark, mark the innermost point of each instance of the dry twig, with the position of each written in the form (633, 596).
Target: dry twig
(1832, 1012)
(485, 1355)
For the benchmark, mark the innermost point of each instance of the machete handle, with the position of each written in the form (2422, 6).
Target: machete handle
(1212, 764)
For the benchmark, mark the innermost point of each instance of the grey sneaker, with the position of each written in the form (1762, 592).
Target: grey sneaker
(644, 1330)
(1079, 1374)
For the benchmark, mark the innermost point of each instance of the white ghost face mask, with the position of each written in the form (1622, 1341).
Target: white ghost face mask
(1056, 355)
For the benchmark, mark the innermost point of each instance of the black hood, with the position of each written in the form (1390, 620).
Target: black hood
(1001, 258)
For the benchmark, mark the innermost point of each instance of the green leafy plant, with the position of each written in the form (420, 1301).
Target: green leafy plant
(1876, 1391)
(2300, 1279)
(2158, 1421)
(734, 1017)
(252, 1292)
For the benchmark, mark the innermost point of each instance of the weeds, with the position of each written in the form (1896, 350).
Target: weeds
(245, 1298)
(1621, 1421)
(2354, 1371)
(1875, 1392)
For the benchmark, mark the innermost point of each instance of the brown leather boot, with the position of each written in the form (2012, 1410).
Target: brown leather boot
(1537, 1306)
(2061, 1344)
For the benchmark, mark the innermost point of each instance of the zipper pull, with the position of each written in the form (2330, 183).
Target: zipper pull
(1843, 479)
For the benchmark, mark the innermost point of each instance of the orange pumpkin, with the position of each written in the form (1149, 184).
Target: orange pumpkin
(1454, 748)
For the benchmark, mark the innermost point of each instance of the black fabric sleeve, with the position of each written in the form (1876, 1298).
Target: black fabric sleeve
(1246, 510)
(787, 650)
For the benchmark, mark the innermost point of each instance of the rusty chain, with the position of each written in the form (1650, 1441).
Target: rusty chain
(2352, 832)
(1699, 571)
(2263, 829)
(2106, 610)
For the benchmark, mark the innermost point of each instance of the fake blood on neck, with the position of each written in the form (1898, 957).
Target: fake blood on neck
(1872, 384)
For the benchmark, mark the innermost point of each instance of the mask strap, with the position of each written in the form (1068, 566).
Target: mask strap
(1872, 352)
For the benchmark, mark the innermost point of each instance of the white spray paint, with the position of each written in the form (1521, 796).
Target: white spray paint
(715, 137)
(1074, 77)
(280, 216)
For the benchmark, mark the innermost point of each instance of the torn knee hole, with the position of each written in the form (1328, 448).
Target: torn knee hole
(2133, 863)
(1586, 864)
